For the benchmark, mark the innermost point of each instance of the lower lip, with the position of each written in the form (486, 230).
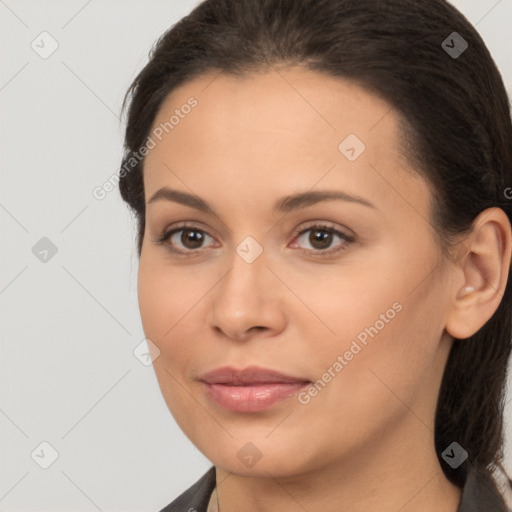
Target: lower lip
(254, 398)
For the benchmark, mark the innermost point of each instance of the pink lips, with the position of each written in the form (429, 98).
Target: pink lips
(250, 390)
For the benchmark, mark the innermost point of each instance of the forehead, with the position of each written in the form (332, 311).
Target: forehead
(283, 128)
(291, 101)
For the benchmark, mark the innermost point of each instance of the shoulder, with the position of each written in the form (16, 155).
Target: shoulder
(196, 497)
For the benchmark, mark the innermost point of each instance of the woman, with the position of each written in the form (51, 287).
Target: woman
(323, 195)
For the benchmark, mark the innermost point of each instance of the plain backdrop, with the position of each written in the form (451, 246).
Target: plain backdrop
(74, 396)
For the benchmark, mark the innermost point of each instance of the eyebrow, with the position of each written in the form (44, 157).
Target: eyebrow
(283, 205)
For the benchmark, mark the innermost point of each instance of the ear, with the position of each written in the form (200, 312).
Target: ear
(483, 264)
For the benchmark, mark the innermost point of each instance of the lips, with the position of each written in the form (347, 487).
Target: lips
(253, 389)
(248, 376)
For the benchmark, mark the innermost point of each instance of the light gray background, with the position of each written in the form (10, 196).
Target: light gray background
(69, 325)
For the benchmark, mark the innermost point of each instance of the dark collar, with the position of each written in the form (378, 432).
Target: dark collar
(195, 498)
(479, 494)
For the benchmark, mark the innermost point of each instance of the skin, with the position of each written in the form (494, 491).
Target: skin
(366, 441)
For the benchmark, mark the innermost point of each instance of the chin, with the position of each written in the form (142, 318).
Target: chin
(247, 458)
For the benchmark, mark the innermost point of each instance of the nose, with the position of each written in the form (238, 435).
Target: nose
(248, 300)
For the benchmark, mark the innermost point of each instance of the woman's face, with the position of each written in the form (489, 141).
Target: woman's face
(350, 296)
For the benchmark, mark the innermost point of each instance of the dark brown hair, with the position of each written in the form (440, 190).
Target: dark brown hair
(457, 134)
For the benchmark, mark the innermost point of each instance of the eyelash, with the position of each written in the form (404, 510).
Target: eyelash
(348, 239)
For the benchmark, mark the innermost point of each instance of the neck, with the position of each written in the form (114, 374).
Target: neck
(404, 479)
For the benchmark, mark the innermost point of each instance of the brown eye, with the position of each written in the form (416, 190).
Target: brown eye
(192, 238)
(321, 238)
(185, 239)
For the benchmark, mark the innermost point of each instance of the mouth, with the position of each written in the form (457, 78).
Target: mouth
(253, 389)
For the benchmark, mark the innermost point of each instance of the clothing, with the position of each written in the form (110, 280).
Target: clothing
(479, 494)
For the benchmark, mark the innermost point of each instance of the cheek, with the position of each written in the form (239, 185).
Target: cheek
(156, 297)
(173, 306)
(377, 335)
(168, 302)
(165, 294)
(384, 373)
(341, 305)
(163, 302)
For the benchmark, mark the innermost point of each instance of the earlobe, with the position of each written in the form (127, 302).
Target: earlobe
(485, 268)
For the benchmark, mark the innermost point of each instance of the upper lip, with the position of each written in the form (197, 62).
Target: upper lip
(249, 375)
